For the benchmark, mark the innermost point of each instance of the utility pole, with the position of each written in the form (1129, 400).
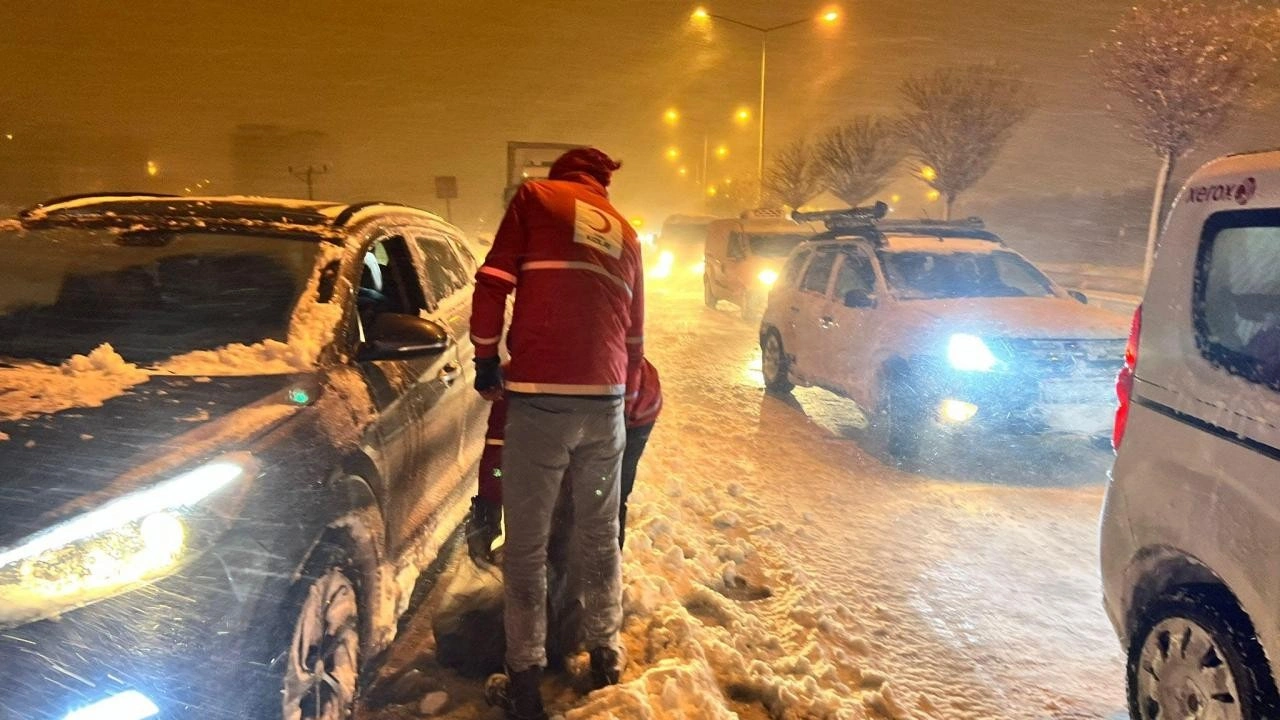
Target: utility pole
(309, 176)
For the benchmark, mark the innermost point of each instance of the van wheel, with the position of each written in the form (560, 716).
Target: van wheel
(1195, 655)
(321, 668)
(897, 422)
(773, 363)
(708, 297)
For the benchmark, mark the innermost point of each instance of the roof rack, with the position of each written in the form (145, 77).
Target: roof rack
(844, 219)
(27, 212)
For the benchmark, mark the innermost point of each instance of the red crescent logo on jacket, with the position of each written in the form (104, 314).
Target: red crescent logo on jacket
(608, 226)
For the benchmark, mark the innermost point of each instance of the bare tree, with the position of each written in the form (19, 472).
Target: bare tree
(855, 159)
(1187, 69)
(792, 177)
(957, 119)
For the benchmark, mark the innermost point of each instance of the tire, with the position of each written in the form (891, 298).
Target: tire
(897, 422)
(1226, 673)
(774, 364)
(320, 671)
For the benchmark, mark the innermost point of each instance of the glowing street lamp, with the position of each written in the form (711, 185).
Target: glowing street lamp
(928, 173)
(712, 191)
(702, 16)
(671, 116)
(683, 171)
(742, 116)
(153, 169)
(673, 153)
(722, 152)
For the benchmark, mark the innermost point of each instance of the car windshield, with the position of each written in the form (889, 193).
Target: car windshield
(934, 275)
(775, 245)
(151, 295)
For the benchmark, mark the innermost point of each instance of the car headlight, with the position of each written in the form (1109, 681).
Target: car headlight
(969, 353)
(768, 276)
(100, 553)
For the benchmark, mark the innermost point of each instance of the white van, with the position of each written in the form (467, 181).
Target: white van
(1191, 527)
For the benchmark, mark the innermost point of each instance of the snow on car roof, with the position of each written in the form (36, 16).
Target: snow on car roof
(937, 244)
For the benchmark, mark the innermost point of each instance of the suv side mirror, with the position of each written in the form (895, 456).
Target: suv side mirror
(400, 337)
(859, 299)
(1079, 296)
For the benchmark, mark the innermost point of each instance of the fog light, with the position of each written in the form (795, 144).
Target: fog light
(956, 411)
(768, 276)
(129, 705)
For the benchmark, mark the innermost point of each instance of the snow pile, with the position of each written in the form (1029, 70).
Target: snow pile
(711, 632)
(81, 381)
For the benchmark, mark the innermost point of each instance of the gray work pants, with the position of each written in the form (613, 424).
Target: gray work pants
(548, 436)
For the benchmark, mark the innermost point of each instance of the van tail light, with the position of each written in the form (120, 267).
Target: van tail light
(1124, 380)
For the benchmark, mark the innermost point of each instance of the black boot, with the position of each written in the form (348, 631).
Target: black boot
(606, 667)
(484, 525)
(525, 695)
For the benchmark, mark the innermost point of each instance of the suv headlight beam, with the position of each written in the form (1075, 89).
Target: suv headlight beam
(968, 353)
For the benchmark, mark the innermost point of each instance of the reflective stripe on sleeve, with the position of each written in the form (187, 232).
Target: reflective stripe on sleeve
(500, 274)
(575, 265)
(486, 340)
(635, 340)
(494, 441)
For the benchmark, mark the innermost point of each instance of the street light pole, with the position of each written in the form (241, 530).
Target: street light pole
(701, 14)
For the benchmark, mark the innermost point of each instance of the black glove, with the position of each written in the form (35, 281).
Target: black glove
(488, 373)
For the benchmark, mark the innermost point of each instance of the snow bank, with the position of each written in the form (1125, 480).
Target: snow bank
(82, 381)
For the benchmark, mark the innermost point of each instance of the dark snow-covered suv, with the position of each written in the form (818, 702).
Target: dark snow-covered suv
(232, 432)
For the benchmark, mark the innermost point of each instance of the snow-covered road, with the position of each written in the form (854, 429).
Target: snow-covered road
(968, 590)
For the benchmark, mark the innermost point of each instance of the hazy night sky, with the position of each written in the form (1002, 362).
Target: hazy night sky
(407, 91)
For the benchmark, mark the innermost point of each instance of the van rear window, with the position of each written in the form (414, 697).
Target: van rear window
(1237, 294)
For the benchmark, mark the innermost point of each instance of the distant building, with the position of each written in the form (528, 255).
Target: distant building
(261, 156)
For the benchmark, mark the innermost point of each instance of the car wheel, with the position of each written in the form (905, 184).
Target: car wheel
(1195, 655)
(897, 420)
(708, 296)
(773, 363)
(322, 662)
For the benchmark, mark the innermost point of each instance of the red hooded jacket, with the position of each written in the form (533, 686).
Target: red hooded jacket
(574, 262)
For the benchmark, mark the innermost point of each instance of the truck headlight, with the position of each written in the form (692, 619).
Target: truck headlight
(969, 353)
(110, 549)
(768, 276)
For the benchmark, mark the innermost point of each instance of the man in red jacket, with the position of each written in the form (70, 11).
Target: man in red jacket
(576, 334)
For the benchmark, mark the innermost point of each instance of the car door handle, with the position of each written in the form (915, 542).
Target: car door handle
(449, 373)
(826, 322)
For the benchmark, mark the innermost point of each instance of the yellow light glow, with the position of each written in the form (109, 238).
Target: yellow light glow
(830, 16)
(701, 14)
(956, 411)
(768, 276)
(895, 198)
(671, 116)
(933, 195)
(8, 136)
(666, 261)
(743, 115)
(152, 168)
(698, 268)
(683, 171)
(928, 173)
(722, 152)
(637, 222)
(712, 191)
(673, 153)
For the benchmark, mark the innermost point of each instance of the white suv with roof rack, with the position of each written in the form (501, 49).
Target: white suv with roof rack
(1191, 526)
(924, 323)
